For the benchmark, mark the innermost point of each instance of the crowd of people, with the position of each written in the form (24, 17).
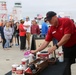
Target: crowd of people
(16, 33)
(63, 30)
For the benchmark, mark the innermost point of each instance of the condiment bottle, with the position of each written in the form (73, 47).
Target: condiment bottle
(60, 56)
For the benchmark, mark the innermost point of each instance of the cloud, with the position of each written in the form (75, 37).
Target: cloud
(32, 7)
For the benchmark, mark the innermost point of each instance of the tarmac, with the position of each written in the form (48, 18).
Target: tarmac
(14, 56)
(9, 57)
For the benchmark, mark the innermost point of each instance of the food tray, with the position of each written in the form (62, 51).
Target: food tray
(42, 65)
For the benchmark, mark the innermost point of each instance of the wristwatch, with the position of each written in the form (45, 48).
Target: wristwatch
(57, 46)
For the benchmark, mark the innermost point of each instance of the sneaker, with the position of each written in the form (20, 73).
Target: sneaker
(10, 46)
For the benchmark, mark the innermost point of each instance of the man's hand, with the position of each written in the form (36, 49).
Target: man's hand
(50, 50)
(42, 46)
(33, 51)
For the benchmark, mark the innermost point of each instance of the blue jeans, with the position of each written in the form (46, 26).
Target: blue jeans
(7, 43)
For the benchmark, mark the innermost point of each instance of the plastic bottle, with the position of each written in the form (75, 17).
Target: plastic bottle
(24, 63)
(61, 58)
(31, 57)
(50, 55)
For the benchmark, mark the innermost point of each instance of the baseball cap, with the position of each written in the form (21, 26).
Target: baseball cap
(50, 14)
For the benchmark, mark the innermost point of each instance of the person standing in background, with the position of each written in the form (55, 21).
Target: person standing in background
(12, 25)
(8, 35)
(22, 34)
(2, 34)
(16, 34)
(27, 25)
(35, 28)
(11, 41)
(1, 25)
(44, 28)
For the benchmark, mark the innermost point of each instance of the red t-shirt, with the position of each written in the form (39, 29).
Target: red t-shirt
(22, 31)
(65, 26)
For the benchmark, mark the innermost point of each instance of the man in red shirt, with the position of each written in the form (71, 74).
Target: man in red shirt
(63, 29)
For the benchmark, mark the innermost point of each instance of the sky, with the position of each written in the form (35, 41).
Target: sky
(33, 7)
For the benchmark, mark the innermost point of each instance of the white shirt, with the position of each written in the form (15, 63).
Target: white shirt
(29, 28)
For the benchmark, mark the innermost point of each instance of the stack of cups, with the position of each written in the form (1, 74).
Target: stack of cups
(24, 63)
(19, 70)
(14, 66)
